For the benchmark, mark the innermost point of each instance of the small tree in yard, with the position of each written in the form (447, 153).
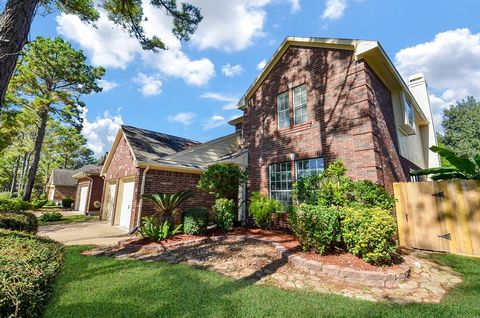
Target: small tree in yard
(222, 180)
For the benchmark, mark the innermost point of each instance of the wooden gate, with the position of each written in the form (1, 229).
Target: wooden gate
(439, 216)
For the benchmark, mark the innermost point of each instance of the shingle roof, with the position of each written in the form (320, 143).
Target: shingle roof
(151, 146)
(63, 177)
(87, 170)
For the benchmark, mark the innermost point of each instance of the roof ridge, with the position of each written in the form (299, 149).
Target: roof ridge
(159, 132)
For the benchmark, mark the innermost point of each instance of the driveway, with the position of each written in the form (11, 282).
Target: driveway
(97, 233)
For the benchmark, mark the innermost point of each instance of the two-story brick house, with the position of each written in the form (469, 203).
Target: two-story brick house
(317, 100)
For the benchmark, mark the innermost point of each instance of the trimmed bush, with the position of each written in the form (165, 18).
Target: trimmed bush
(13, 205)
(316, 227)
(368, 233)
(195, 220)
(261, 209)
(369, 194)
(67, 202)
(51, 217)
(225, 213)
(29, 265)
(38, 203)
(19, 221)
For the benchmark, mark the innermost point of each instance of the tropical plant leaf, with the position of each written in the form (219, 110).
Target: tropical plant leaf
(435, 170)
(465, 165)
(449, 176)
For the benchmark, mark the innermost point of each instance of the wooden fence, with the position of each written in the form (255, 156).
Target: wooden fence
(439, 216)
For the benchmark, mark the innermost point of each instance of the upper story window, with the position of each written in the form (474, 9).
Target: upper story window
(300, 105)
(308, 167)
(409, 115)
(283, 110)
(408, 121)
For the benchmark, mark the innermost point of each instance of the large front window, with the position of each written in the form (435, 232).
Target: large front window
(300, 105)
(308, 167)
(280, 179)
(283, 110)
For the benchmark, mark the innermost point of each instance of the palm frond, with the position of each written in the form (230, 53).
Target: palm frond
(424, 172)
(463, 164)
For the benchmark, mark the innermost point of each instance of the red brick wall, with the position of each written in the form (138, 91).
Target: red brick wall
(349, 117)
(63, 192)
(96, 185)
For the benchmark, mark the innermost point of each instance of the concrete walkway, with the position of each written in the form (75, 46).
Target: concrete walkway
(96, 233)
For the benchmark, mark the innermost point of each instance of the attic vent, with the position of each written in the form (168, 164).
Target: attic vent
(416, 79)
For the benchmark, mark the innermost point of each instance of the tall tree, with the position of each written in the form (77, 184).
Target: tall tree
(462, 128)
(17, 17)
(50, 79)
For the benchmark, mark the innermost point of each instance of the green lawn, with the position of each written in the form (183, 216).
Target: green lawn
(71, 219)
(107, 287)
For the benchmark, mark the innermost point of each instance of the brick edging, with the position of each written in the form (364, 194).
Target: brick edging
(338, 273)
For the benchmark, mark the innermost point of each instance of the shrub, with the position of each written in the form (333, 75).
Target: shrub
(29, 265)
(67, 202)
(51, 217)
(154, 230)
(50, 203)
(317, 227)
(195, 220)
(225, 212)
(167, 203)
(38, 203)
(369, 194)
(261, 209)
(19, 221)
(14, 205)
(222, 180)
(368, 232)
(4, 195)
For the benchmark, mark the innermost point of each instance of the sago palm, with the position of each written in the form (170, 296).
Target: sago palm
(462, 168)
(166, 203)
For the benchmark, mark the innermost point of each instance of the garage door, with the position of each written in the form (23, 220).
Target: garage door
(109, 202)
(82, 207)
(126, 207)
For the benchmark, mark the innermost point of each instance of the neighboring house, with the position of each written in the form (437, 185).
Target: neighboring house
(61, 185)
(316, 101)
(89, 188)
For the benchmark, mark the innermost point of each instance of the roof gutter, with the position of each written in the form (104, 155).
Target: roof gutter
(166, 167)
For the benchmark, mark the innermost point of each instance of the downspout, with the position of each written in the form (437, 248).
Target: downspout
(140, 203)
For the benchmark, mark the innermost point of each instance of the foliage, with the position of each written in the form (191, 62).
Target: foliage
(14, 205)
(156, 231)
(316, 227)
(67, 202)
(50, 217)
(333, 188)
(368, 233)
(29, 264)
(195, 220)
(369, 194)
(38, 203)
(167, 203)
(222, 180)
(460, 124)
(261, 209)
(461, 167)
(19, 221)
(4, 195)
(225, 213)
(68, 219)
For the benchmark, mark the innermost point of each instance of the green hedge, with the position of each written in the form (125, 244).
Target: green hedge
(51, 217)
(28, 266)
(19, 221)
(316, 227)
(67, 202)
(368, 233)
(225, 212)
(195, 220)
(14, 205)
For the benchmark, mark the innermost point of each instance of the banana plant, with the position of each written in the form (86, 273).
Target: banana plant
(462, 168)
(166, 203)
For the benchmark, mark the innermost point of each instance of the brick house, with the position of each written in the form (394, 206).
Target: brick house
(89, 189)
(316, 101)
(61, 185)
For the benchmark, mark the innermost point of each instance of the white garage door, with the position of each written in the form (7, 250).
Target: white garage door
(83, 199)
(110, 200)
(126, 208)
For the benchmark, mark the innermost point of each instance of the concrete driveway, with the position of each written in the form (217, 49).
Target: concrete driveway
(97, 233)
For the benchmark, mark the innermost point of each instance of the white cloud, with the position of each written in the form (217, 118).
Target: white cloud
(213, 122)
(107, 85)
(111, 46)
(101, 133)
(450, 63)
(334, 9)
(230, 25)
(295, 5)
(231, 101)
(232, 70)
(150, 85)
(183, 118)
(261, 65)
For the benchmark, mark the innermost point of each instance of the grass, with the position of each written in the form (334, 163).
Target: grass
(108, 287)
(71, 219)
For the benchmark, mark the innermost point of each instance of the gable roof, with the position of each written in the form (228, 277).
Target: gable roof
(371, 51)
(88, 170)
(63, 177)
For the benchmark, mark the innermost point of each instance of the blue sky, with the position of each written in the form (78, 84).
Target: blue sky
(189, 90)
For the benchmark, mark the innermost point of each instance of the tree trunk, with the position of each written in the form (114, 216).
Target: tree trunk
(36, 155)
(14, 178)
(15, 22)
(22, 175)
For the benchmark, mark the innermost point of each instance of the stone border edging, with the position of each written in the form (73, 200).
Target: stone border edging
(338, 273)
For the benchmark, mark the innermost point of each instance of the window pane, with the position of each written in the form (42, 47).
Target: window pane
(280, 180)
(300, 105)
(283, 110)
(308, 167)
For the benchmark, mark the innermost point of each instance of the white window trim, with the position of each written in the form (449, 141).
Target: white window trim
(270, 179)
